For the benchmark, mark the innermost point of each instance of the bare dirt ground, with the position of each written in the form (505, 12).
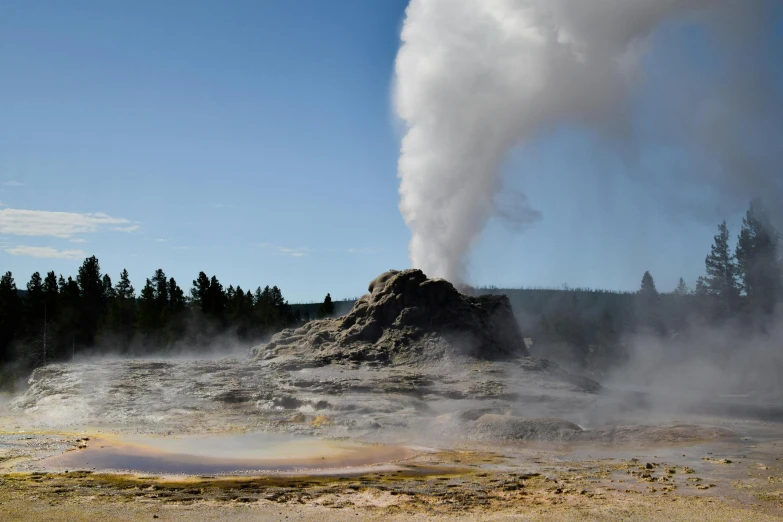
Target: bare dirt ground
(735, 478)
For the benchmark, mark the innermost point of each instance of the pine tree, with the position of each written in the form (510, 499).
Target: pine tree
(283, 309)
(176, 298)
(682, 288)
(216, 299)
(200, 292)
(10, 315)
(648, 304)
(149, 310)
(121, 319)
(239, 311)
(35, 306)
(108, 289)
(175, 322)
(327, 307)
(648, 285)
(680, 311)
(161, 287)
(40, 334)
(701, 287)
(51, 296)
(721, 280)
(267, 315)
(758, 260)
(124, 289)
(231, 311)
(93, 302)
(68, 325)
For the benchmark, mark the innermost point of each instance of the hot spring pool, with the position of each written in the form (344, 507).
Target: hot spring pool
(221, 454)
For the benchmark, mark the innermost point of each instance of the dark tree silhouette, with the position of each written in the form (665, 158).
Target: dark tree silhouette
(52, 296)
(216, 299)
(34, 305)
(648, 285)
(10, 315)
(682, 288)
(758, 263)
(121, 318)
(199, 294)
(93, 301)
(721, 280)
(108, 289)
(68, 326)
(327, 307)
(647, 306)
(149, 310)
(176, 298)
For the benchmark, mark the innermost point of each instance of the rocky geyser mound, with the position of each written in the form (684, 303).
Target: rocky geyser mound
(407, 318)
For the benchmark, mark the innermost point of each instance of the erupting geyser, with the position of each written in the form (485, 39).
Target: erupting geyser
(475, 78)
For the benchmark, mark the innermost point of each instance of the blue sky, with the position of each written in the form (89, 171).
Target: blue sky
(255, 141)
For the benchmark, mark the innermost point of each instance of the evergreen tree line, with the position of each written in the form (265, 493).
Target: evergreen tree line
(58, 318)
(741, 287)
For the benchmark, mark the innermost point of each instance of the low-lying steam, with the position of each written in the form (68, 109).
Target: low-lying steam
(475, 78)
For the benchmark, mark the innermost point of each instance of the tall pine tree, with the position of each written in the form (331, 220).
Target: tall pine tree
(327, 307)
(121, 319)
(35, 307)
(93, 301)
(52, 296)
(10, 315)
(149, 310)
(758, 259)
(682, 288)
(647, 306)
(721, 280)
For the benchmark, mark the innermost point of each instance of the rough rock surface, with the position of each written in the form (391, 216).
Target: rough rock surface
(507, 428)
(407, 318)
(286, 394)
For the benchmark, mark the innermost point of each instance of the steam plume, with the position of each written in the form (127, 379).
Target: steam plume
(475, 78)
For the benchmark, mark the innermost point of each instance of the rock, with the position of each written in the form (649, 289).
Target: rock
(407, 318)
(507, 428)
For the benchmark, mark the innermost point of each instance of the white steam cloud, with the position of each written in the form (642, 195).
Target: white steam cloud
(475, 78)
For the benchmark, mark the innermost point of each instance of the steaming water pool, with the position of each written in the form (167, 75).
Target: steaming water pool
(221, 454)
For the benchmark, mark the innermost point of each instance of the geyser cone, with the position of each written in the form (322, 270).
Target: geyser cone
(406, 318)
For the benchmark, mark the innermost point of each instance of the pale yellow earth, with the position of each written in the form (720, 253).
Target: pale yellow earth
(707, 481)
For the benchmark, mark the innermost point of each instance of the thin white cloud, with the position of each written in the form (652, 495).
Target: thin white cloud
(223, 205)
(162, 240)
(45, 252)
(183, 247)
(64, 225)
(286, 251)
(128, 229)
(78, 240)
(13, 183)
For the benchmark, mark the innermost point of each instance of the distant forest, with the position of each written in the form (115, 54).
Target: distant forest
(58, 318)
(590, 330)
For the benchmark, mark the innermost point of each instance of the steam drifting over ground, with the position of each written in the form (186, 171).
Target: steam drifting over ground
(476, 78)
